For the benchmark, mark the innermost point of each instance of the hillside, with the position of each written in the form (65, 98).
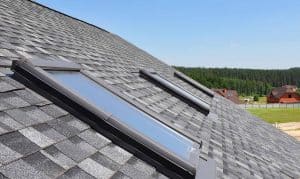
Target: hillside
(245, 81)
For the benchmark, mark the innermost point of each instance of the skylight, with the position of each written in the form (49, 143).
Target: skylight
(177, 90)
(194, 83)
(126, 113)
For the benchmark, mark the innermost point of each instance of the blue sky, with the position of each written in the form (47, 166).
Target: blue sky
(200, 33)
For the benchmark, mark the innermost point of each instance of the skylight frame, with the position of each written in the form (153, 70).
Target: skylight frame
(38, 71)
(195, 84)
(58, 65)
(179, 91)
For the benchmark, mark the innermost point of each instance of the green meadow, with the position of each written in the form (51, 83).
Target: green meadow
(281, 115)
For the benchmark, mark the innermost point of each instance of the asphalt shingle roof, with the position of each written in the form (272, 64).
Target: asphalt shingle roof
(40, 140)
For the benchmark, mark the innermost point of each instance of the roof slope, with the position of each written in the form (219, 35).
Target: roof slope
(241, 144)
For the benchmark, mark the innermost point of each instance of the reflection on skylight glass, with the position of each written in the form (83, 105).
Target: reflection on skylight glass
(125, 112)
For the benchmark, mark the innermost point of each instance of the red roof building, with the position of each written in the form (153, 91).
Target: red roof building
(284, 94)
(232, 95)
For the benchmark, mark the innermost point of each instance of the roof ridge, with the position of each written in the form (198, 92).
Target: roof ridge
(74, 18)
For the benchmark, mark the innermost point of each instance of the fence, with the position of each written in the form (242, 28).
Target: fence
(273, 105)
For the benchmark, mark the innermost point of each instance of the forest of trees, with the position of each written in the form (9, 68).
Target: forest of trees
(245, 81)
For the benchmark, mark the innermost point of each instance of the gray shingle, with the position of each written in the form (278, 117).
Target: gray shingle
(105, 161)
(13, 100)
(76, 148)
(37, 137)
(37, 114)
(54, 111)
(116, 153)
(141, 166)
(130, 170)
(120, 175)
(20, 116)
(4, 87)
(2, 176)
(14, 83)
(20, 169)
(68, 125)
(95, 169)
(7, 53)
(48, 131)
(4, 106)
(94, 138)
(7, 154)
(4, 128)
(17, 142)
(76, 173)
(30, 97)
(78, 124)
(41, 163)
(58, 157)
(9, 122)
(159, 176)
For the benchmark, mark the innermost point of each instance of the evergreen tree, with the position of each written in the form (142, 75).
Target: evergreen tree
(245, 81)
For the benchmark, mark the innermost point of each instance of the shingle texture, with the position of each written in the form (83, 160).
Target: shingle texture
(41, 140)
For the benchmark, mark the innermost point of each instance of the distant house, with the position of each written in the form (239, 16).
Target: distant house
(284, 94)
(232, 95)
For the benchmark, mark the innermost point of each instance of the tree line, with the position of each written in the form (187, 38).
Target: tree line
(246, 81)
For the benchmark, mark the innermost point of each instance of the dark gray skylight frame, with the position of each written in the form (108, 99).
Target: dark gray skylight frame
(202, 105)
(195, 84)
(36, 69)
(55, 65)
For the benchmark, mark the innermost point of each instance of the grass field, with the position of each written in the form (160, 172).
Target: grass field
(277, 115)
(262, 100)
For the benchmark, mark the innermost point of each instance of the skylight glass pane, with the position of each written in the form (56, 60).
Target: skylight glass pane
(125, 112)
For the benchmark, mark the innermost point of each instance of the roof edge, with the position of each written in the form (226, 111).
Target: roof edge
(39, 4)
